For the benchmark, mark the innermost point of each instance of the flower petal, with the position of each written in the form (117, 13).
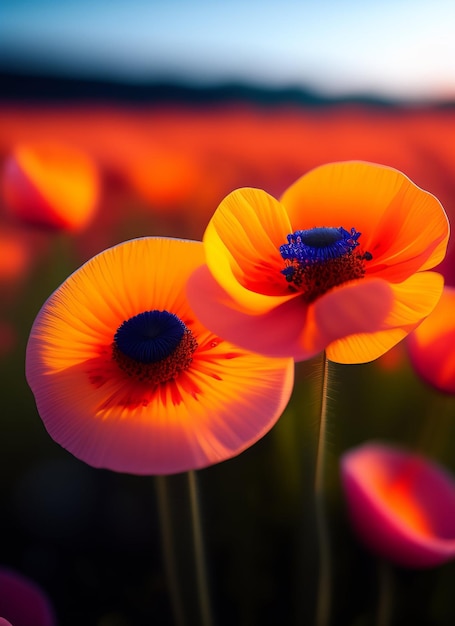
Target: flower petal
(349, 194)
(292, 328)
(274, 333)
(52, 185)
(430, 346)
(413, 300)
(22, 601)
(357, 308)
(401, 504)
(402, 226)
(223, 403)
(242, 244)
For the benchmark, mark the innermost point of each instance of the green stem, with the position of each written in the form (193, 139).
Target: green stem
(436, 426)
(183, 549)
(169, 549)
(199, 553)
(324, 581)
(385, 600)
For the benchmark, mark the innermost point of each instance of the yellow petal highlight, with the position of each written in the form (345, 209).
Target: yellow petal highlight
(242, 244)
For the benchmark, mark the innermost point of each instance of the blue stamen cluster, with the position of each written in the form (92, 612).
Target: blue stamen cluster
(150, 336)
(321, 258)
(318, 245)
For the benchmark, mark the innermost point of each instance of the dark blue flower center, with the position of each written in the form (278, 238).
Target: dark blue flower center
(321, 258)
(153, 346)
(319, 244)
(150, 336)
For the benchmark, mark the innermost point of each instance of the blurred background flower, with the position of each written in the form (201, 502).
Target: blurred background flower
(176, 104)
(50, 185)
(401, 504)
(431, 345)
(23, 602)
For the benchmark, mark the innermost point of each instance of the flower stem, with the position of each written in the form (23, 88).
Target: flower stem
(436, 426)
(385, 600)
(183, 549)
(199, 553)
(169, 549)
(324, 580)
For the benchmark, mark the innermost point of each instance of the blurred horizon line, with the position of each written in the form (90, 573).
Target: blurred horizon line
(17, 86)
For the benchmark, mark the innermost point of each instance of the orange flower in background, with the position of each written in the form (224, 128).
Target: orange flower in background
(401, 504)
(126, 377)
(165, 179)
(51, 185)
(431, 347)
(338, 263)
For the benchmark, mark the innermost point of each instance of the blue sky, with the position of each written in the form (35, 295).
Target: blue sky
(402, 48)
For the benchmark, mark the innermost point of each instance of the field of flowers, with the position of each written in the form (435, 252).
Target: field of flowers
(331, 499)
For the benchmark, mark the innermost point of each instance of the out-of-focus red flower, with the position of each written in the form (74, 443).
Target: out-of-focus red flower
(50, 184)
(394, 359)
(23, 602)
(14, 255)
(431, 346)
(401, 504)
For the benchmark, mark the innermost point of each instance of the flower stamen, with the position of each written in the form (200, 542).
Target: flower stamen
(321, 258)
(153, 347)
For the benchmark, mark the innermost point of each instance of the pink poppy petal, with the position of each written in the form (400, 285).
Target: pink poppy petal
(401, 504)
(413, 300)
(354, 308)
(275, 333)
(23, 602)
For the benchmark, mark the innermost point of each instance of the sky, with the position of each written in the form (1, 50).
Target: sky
(398, 48)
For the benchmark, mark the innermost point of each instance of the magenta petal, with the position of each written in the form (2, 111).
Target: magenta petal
(22, 602)
(401, 504)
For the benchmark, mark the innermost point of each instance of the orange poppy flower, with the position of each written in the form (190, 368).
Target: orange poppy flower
(127, 378)
(338, 263)
(431, 345)
(401, 504)
(50, 184)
